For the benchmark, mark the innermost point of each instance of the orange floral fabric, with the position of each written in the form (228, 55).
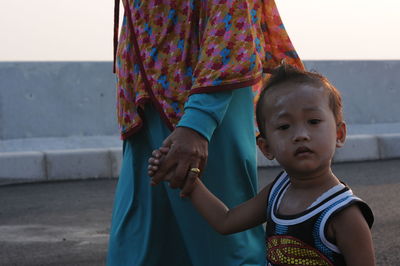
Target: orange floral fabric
(169, 49)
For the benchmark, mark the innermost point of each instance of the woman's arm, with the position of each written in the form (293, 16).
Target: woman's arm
(353, 237)
(227, 221)
(189, 141)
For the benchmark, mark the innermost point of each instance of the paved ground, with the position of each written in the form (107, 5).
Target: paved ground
(66, 223)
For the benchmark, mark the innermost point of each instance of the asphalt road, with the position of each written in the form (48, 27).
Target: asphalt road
(66, 223)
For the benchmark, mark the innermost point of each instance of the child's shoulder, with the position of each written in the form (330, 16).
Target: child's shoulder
(347, 204)
(344, 204)
(345, 212)
(349, 230)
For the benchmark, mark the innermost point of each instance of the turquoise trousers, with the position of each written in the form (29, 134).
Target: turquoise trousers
(154, 226)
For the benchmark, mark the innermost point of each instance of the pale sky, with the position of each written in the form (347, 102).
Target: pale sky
(82, 30)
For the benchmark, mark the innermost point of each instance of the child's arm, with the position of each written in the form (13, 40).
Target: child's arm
(353, 237)
(227, 221)
(247, 215)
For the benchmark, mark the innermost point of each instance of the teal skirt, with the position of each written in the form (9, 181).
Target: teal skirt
(154, 226)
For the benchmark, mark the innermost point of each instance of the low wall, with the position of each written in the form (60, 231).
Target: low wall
(370, 89)
(59, 99)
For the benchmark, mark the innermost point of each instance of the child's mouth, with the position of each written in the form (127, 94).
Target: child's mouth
(302, 151)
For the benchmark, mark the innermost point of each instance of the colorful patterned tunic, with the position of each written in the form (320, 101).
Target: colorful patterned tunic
(169, 49)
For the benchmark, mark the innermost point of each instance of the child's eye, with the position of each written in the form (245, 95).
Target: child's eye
(314, 121)
(283, 127)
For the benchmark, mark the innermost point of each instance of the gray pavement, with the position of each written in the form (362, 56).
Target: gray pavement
(67, 222)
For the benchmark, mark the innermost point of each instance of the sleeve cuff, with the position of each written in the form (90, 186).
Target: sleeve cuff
(199, 121)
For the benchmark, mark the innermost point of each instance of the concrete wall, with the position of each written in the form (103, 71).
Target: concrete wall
(370, 89)
(58, 99)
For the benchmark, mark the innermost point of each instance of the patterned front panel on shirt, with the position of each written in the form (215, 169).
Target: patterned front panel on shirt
(287, 250)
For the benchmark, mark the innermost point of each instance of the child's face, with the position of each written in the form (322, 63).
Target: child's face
(301, 131)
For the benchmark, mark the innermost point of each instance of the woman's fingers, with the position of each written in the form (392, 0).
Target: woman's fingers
(190, 182)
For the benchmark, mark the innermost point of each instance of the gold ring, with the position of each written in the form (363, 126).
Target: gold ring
(195, 170)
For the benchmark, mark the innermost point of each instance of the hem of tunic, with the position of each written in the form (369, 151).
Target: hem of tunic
(225, 87)
(131, 131)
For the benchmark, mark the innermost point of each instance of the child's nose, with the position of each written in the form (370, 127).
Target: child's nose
(301, 134)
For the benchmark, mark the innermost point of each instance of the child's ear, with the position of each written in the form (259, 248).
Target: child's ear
(262, 143)
(340, 134)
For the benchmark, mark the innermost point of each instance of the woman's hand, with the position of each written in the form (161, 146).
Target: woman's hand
(187, 150)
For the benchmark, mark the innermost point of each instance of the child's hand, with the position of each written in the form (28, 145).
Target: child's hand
(155, 161)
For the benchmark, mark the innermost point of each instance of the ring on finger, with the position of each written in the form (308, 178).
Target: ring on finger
(195, 170)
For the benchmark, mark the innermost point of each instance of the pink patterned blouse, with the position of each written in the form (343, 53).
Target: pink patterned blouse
(169, 49)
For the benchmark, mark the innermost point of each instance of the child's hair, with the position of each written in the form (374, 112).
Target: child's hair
(288, 73)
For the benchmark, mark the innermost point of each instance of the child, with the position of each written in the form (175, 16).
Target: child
(312, 218)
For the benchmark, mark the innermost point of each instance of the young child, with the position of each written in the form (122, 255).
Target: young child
(312, 218)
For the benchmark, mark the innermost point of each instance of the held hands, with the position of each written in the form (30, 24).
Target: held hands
(154, 162)
(180, 160)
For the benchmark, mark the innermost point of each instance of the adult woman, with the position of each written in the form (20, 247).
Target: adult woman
(186, 73)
